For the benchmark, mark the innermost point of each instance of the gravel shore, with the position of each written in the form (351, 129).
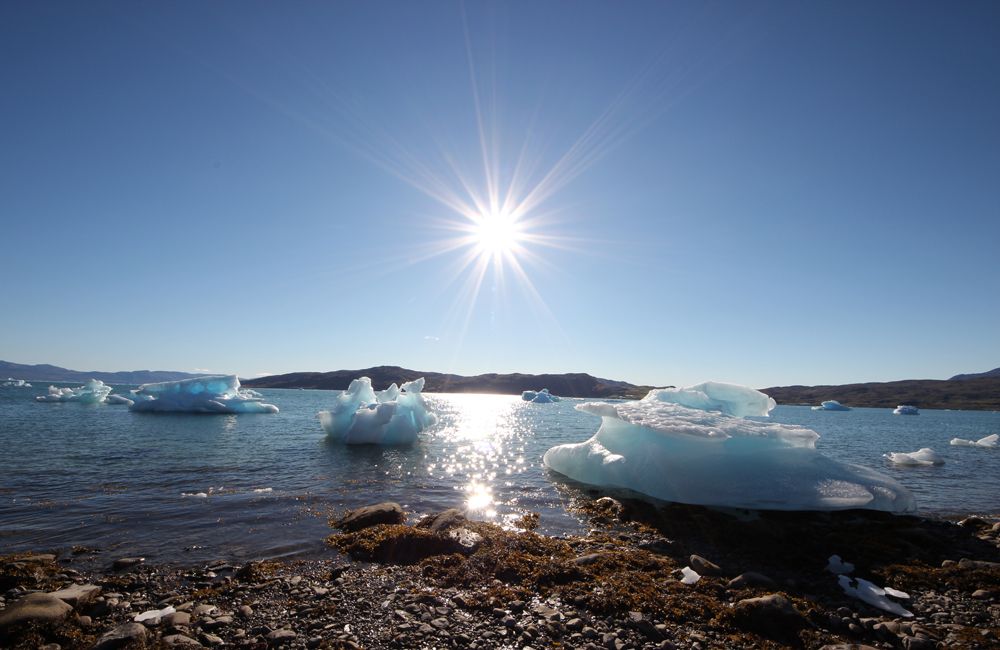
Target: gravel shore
(762, 582)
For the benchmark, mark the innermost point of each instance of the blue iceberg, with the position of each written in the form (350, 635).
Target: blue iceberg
(694, 446)
(216, 394)
(539, 397)
(393, 417)
(831, 405)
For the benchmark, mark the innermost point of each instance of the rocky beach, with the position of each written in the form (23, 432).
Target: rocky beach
(645, 577)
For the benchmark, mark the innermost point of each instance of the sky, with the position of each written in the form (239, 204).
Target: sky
(654, 192)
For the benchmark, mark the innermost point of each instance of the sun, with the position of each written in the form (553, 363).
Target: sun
(496, 233)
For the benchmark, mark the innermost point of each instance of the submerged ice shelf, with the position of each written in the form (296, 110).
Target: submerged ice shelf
(218, 394)
(694, 446)
(393, 417)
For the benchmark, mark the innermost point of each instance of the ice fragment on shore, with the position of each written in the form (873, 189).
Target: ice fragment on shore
(832, 405)
(988, 441)
(393, 417)
(838, 567)
(690, 576)
(92, 392)
(539, 397)
(876, 596)
(688, 455)
(925, 456)
(216, 394)
(154, 613)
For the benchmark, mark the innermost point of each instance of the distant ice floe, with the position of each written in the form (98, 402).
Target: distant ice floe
(94, 391)
(831, 405)
(876, 596)
(216, 394)
(988, 441)
(393, 417)
(539, 397)
(906, 410)
(925, 456)
(20, 383)
(673, 446)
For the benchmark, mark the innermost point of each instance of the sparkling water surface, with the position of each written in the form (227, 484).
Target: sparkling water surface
(100, 477)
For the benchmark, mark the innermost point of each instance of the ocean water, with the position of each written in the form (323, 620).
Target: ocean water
(98, 477)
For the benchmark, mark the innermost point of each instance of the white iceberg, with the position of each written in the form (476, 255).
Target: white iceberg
(20, 383)
(925, 456)
(539, 397)
(393, 417)
(93, 391)
(988, 441)
(839, 567)
(876, 596)
(217, 394)
(685, 454)
(831, 405)
(906, 410)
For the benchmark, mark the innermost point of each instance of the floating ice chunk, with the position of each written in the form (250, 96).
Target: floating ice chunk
(736, 400)
(906, 410)
(217, 394)
(686, 455)
(118, 399)
(838, 567)
(876, 596)
(197, 495)
(92, 392)
(262, 490)
(539, 397)
(690, 576)
(925, 456)
(19, 383)
(831, 405)
(154, 613)
(988, 441)
(393, 417)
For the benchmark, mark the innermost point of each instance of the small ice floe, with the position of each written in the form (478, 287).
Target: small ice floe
(925, 456)
(198, 495)
(906, 410)
(831, 405)
(988, 441)
(539, 397)
(93, 392)
(18, 383)
(262, 490)
(690, 576)
(876, 596)
(154, 613)
(838, 567)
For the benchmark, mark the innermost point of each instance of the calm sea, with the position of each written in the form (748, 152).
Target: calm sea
(100, 477)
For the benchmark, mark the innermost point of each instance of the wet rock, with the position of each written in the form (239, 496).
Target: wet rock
(281, 637)
(444, 521)
(77, 595)
(966, 563)
(181, 640)
(586, 560)
(368, 516)
(126, 563)
(918, 643)
(35, 607)
(750, 579)
(703, 566)
(122, 635)
(772, 615)
(982, 594)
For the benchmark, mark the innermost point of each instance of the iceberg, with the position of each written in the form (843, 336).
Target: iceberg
(393, 417)
(539, 397)
(877, 596)
(831, 405)
(215, 394)
(925, 456)
(682, 446)
(92, 392)
(17, 382)
(906, 410)
(988, 441)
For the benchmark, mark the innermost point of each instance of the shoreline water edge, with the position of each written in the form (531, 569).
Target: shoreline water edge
(646, 576)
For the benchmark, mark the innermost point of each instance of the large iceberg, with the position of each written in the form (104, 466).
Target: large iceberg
(393, 417)
(93, 391)
(831, 405)
(216, 394)
(539, 397)
(674, 445)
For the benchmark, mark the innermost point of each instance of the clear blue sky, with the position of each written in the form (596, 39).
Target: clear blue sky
(759, 193)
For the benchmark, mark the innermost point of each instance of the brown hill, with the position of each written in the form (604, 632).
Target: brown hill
(975, 394)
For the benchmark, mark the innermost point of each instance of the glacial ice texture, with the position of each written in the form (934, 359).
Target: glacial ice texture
(988, 441)
(218, 394)
(907, 410)
(925, 456)
(831, 405)
(393, 417)
(540, 397)
(93, 391)
(688, 455)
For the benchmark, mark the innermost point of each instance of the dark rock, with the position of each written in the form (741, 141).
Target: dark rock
(280, 637)
(368, 516)
(773, 615)
(917, 643)
(966, 563)
(750, 579)
(444, 521)
(35, 607)
(126, 563)
(704, 567)
(180, 640)
(121, 635)
(585, 560)
(77, 595)
(975, 523)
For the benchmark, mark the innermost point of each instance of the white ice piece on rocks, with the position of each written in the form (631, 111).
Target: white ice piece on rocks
(838, 567)
(988, 441)
(154, 613)
(925, 456)
(214, 394)
(93, 391)
(906, 410)
(876, 596)
(679, 453)
(393, 417)
(540, 397)
(690, 576)
(831, 405)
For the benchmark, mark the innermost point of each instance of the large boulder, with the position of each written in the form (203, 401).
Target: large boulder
(368, 516)
(444, 521)
(121, 635)
(772, 616)
(35, 607)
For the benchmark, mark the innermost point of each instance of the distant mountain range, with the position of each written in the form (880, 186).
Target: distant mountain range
(566, 385)
(45, 372)
(991, 373)
(979, 392)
